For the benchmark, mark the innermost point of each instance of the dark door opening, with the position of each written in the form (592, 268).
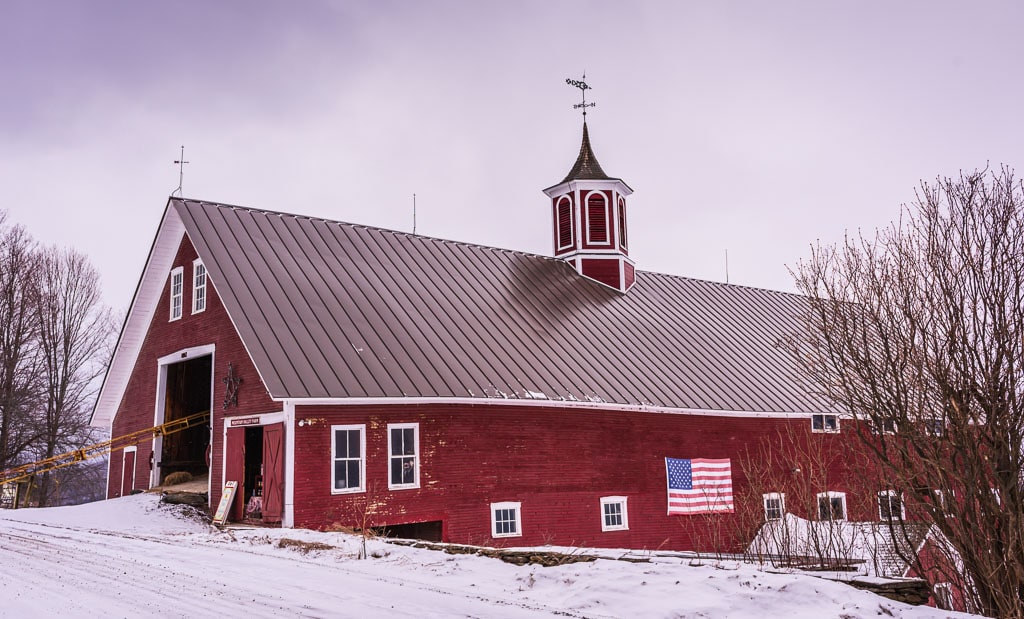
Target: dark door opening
(256, 460)
(188, 392)
(253, 473)
(426, 531)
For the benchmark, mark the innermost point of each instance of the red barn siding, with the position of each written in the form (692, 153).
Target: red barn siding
(558, 463)
(213, 326)
(603, 270)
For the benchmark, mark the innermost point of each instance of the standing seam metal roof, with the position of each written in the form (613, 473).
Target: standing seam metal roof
(336, 310)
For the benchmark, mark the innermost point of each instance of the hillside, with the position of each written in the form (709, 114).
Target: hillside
(135, 557)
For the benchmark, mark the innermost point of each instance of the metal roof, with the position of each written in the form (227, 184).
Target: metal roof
(336, 310)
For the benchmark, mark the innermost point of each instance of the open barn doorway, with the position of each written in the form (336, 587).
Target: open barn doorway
(254, 457)
(187, 390)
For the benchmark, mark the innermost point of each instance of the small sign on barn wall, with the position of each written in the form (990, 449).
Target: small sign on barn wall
(245, 421)
(226, 499)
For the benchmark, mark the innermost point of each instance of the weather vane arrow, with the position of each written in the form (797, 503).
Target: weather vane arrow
(582, 85)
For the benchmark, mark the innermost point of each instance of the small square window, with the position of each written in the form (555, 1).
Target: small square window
(774, 505)
(884, 426)
(832, 506)
(505, 519)
(934, 427)
(824, 423)
(403, 456)
(613, 513)
(890, 505)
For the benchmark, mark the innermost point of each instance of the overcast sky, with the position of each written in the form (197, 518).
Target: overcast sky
(753, 127)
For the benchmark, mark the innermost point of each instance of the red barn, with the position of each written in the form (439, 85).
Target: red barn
(449, 391)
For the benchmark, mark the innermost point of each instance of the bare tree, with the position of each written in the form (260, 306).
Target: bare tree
(18, 359)
(918, 333)
(73, 328)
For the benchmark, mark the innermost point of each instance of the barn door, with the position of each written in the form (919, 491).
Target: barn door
(234, 468)
(273, 472)
(128, 471)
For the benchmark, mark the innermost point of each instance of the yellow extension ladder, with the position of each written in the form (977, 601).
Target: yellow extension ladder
(26, 471)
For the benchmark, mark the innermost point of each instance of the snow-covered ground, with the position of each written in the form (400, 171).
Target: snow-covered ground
(132, 557)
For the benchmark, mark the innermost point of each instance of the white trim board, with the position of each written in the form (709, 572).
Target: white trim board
(573, 404)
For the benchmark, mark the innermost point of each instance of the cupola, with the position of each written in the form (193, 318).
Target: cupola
(588, 211)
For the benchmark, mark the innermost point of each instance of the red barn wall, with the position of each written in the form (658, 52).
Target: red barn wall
(557, 462)
(213, 326)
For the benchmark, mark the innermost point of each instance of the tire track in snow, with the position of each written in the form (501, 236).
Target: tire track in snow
(178, 576)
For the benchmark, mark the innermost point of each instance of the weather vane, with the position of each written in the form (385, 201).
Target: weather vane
(582, 85)
(181, 171)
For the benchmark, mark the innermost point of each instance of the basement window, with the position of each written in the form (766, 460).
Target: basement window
(832, 506)
(505, 521)
(824, 423)
(177, 292)
(614, 516)
(403, 450)
(348, 449)
(774, 505)
(198, 287)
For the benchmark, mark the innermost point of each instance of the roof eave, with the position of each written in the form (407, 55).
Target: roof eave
(137, 320)
(584, 183)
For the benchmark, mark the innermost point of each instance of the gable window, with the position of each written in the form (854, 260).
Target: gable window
(613, 514)
(404, 450)
(890, 505)
(177, 281)
(563, 222)
(622, 223)
(198, 287)
(348, 449)
(774, 505)
(505, 521)
(597, 218)
(832, 506)
(824, 423)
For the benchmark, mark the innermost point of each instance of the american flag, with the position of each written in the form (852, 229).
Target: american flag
(699, 486)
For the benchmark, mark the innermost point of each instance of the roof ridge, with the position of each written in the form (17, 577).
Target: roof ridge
(477, 245)
(722, 284)
(425, 237)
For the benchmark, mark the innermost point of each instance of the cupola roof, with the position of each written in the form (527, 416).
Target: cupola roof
(586, 166)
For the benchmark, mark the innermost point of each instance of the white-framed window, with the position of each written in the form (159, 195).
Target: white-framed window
(943, 596)
(198, 286)
(884, 426)
(403, 455)
(505, 519)
(177, 291)
(890, 505)
(934, 426)
(824, 423)
(832, 506)
(563, 223)
(774, 505)
(348, 459)
(597, 219)
(614, 516)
